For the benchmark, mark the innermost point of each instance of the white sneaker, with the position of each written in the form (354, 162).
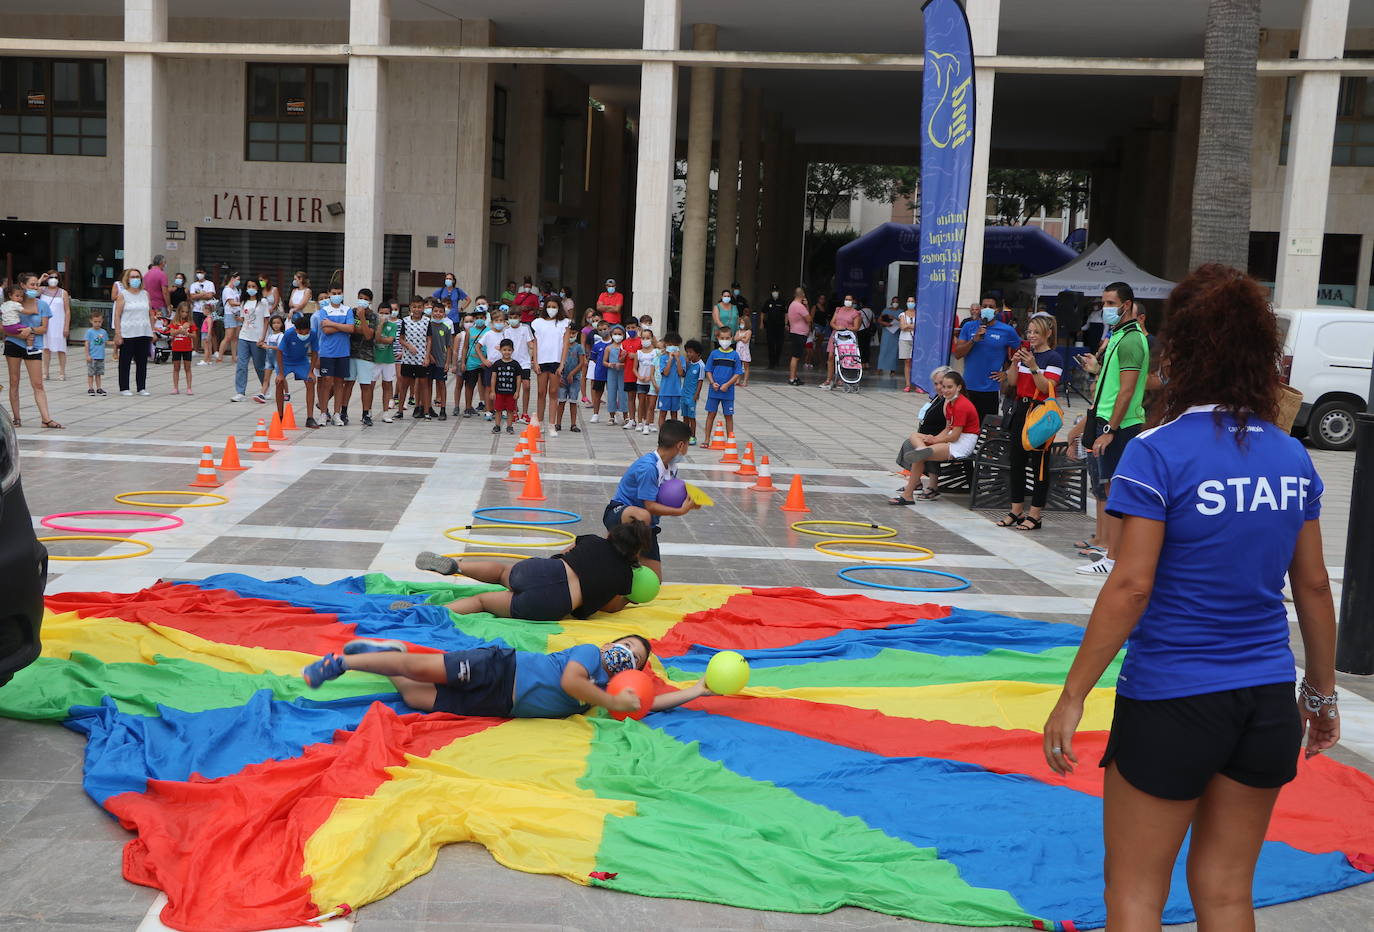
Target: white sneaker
(388, 418)
(126, 393)
(648, 428)
(553, 433)
(1102, 567)
(338, 420)
(238, 397)
(201, 363)
(144, 391)
(595, 418)
(628, 425)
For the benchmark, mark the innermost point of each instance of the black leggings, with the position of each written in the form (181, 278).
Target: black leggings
(1021, 457)
(134, 350)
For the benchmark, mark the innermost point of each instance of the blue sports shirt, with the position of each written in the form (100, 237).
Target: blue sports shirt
(723, 365)
(641, 481)
(1231, 514)
(296, 350)
(988, 355)
(334, 345)
(669, 382)
(537, 677)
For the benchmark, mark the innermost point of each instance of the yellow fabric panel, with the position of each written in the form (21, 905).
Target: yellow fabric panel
(511, 788)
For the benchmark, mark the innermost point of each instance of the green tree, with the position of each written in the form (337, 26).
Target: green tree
(829, 183)
(1019, 193)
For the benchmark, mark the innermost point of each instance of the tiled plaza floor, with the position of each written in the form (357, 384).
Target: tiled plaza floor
(352, 499)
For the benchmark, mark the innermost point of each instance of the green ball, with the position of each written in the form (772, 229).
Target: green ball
(643, 585)
(727, 673)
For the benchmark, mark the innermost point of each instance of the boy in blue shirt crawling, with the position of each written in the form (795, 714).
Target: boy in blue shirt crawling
(723, 370)
(503, 683)
(636, 496)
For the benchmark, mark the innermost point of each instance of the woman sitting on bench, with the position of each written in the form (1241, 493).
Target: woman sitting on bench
(956, 441)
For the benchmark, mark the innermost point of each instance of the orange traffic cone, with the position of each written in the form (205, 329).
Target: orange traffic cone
(534, 489)
(746, 467)
(229, 462)
(731, 456)
(519, 464)
(274, 431)
(260, 444)
(205, 475)
(288, 420)
(796, 497)
(765, 483)
(533, 439)
(718, 437)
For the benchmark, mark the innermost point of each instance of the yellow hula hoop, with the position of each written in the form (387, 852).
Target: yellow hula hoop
(563, 535)
(123, 499)
(482, 553)
(891, 532)
(924, 554)
(147, 547)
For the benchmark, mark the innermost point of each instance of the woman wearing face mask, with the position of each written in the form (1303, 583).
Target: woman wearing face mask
(725, 314)
(36, 319)
(229, 299)
(269, 296)
(550, 346)
(906, 336)
(848, 318)
(565, 297)
(59, 328)
(133, 322)
(252, 330)
(176, 295)
(202, 296)
(301, 295)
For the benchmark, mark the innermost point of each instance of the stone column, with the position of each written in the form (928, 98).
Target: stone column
(472, 169)
(727, 183)
(791, 213)
(1308, 178)
(983, 18)
(694, 222)
(1362, 276)
(654, 178)
(770, 226)
(369, 23)
(527, 152)
(610, 224)
(145, 136)
(746, 258)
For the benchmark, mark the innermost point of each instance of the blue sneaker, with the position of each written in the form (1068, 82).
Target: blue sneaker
(328, 667)
(371, 646)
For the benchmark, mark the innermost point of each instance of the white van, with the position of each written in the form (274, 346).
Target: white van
(1327, 355)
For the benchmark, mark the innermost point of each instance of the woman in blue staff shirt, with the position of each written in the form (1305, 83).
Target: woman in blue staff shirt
(1218, 504)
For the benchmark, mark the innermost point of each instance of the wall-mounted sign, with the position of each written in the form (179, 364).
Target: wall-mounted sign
(268, 208)
(500, 215)
(37, 100)
(295, 106)
(449, 240)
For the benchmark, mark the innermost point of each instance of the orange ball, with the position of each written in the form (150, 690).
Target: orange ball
(643, 685)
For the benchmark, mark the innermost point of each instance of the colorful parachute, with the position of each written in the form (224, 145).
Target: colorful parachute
(884, 756)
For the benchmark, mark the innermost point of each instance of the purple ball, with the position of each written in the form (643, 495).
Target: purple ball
(673, 493)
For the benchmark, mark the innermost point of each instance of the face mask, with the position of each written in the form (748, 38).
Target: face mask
(482, 308)
(448, 283)
(334, 299)
(617, 337)
(364, 303)
(725, 299)
(262, 282)
(252, 292)
(631, 333)
(775, 296)
(617, 658)
(33, 292)
(988, 313)
(848, 303)
(1111, 316)
(133, 283)
(736, 291)
(551, 311)
(52, 283)
(911, 305)
(200, 276)
(179, 281)
(674, 349)
(725, 344)
(498, 326)
(610, 289)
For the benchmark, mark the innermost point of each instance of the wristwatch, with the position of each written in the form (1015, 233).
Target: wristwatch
(1109, 429)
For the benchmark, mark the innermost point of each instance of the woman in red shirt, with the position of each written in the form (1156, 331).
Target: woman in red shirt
(955, 442)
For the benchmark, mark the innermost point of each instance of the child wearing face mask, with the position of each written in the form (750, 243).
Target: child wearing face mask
(693, 377)
(613, 363)
(474, 374)
(630, 364)
(522, 336)
(743, 336)
(671, 369)
(723, 370)
(645, 388)
(570, 381)
(636, 496)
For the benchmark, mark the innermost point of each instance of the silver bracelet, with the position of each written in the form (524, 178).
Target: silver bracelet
(1313, 700)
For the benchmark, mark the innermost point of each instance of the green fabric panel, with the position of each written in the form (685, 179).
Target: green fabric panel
(518, 634)
(758, 846)
(47, 688)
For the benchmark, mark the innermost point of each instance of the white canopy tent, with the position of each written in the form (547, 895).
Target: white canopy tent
(1098, 268)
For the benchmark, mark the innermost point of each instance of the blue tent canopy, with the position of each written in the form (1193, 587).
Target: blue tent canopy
(859, 262)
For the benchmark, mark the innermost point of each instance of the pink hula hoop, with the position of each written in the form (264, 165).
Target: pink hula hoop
(49, 522)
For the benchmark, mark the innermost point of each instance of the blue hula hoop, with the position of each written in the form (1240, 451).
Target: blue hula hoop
(572, 517)
(904, 569)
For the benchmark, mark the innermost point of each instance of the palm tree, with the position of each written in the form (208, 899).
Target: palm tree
(1222, 180)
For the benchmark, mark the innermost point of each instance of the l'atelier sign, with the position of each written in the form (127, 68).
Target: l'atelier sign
(268, 207)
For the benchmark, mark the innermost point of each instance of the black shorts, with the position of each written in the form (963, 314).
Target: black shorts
(19, 352)
(796, 345)
(199, 318)
(1171, 748)
(611, 517)
(598, 385)
(181, 355)
(525, 374)
(1111, 458)
(470, 377)
(539, 590)
(548, 367)
(631, 388)
(480, 682)
(438, 373)
(409, 371)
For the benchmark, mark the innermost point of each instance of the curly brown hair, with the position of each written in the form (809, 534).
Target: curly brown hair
(1220, 346)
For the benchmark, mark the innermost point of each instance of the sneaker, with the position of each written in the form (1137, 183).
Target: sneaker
(388, 418)
(586, 402)
(595, 418)
(237, 398)
(691, 441)
(342, 418)
(468, 412)
(175, 391)
(312, 423)
(367, 418)
(443, 415)
(189, 392)
(260, 398)
(497, 429)
(553, 433)
(488, 415)
(510, 428)
(338, 420)
(127, 393)
(575, 429)
(328, 667)
(1102, 567)
(202, 363)
(648, 429)
(144, 391)
(373, 646)
(417, 413)
(628, 425)
(91, 392)
(101, 392)
(436, 563)
(286, 396)
(481, 406)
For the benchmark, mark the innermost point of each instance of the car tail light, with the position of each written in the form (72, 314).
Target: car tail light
(1286, 371)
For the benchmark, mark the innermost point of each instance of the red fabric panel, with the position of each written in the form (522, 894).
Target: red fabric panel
(764, 618)
(229, 852)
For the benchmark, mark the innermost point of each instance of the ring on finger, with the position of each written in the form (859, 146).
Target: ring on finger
(1056, 750)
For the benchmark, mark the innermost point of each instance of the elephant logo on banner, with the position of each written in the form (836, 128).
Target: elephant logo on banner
(948, 126)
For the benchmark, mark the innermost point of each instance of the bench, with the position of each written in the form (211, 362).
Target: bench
(987, 475)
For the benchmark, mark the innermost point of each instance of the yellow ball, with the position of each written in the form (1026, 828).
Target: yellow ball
(727, 673)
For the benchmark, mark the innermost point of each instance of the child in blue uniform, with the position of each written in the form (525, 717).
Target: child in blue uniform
(636, 497)
(670, 372)
(723, 370)
(500, 682)
(298, 355)
(693, 377)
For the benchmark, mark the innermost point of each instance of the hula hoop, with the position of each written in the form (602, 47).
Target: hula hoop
(123, 499)
(49, 522)
(891, 532)
(484, 553)
(904, 569)
(922, 552)
(563, 535)
(572, 517)
(147, 548)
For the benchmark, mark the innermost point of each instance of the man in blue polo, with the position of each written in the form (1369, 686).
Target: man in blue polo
(984, 343)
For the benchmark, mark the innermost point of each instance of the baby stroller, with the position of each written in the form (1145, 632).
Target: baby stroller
(849, 367)
(162, 340)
